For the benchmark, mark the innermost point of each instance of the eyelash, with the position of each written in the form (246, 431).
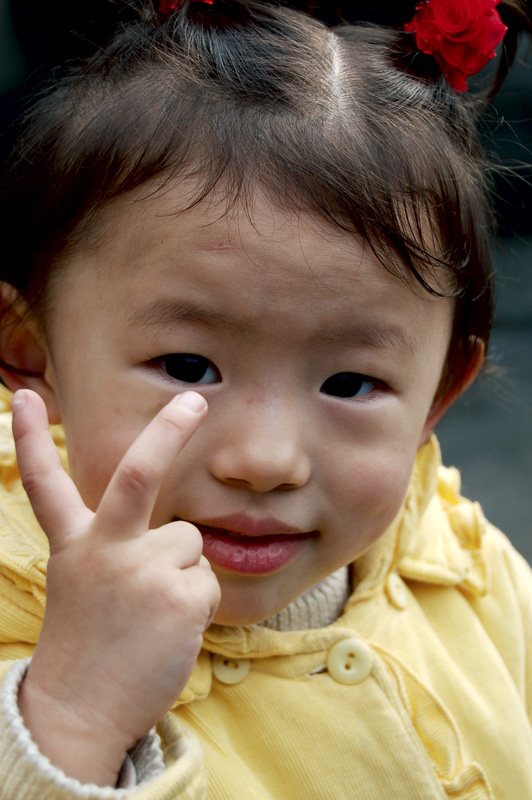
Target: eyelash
(195, 367)
(192, 369)
(347, 385)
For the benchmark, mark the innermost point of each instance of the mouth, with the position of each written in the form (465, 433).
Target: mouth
(245, 546)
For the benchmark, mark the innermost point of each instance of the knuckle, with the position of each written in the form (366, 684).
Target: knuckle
(33, 480)
(134, 477)
(179, 599)
(194, 598)
(205, 592)
(215, 591)
(211, 581)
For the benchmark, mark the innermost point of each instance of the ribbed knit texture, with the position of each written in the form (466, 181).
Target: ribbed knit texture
(316, 608)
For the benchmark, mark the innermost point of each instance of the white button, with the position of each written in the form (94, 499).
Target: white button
(397, 591)
(230, 670)
(349, 661)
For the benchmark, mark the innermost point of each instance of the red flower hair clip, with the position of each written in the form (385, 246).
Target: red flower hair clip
(168, 6)
(460, 34)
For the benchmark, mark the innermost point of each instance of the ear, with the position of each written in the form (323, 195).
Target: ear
(440, 406)
(24, 358)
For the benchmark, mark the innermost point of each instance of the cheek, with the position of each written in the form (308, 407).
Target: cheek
(93, 457)
(100, 426)
(370, 490)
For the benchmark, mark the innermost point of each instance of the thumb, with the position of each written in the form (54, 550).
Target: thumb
(53, 495)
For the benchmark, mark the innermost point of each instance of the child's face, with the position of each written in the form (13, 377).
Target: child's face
(319, 368)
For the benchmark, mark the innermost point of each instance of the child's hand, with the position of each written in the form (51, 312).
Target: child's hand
(126, 605)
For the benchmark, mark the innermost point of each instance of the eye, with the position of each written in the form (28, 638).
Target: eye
(189, 368)
(348, 384)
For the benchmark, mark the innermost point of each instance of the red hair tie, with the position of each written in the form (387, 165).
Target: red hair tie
(169, 6)
(460, 34)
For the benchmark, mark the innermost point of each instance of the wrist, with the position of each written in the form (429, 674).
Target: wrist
(77, 745)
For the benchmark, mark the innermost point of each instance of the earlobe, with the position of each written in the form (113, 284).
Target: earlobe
(24, 360)
(441, 405)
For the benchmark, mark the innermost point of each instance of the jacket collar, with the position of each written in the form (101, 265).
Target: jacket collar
(436, 538)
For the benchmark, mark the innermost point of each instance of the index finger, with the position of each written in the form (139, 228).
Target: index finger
(128, 501)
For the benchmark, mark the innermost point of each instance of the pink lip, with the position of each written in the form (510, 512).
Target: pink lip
(248, 546)
(248, 526)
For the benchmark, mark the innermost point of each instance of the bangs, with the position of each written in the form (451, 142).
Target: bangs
(324, 121)
(368, 173)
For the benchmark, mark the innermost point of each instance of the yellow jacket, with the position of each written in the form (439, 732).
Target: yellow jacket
(422, 690)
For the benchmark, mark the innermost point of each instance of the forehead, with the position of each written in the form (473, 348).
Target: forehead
(256, 259)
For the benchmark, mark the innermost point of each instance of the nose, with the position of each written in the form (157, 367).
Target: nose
(263, 449)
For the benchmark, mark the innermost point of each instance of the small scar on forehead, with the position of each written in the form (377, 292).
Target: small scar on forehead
(219, 247)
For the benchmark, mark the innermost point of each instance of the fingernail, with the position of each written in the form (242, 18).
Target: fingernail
(19, 400)
(191, 400)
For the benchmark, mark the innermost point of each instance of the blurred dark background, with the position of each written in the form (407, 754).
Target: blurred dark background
(488, 433)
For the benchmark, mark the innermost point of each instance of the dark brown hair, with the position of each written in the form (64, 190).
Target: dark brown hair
(339, 118)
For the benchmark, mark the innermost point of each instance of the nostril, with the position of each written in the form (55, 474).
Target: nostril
(237, 482)
(265, 480)
(261, 463)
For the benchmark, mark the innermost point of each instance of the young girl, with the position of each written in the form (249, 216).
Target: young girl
(288, 216)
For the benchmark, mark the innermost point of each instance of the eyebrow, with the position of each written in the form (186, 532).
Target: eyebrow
(376, 335)
(369, 334)
(165, 312)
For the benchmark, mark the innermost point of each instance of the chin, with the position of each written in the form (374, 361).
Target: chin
(246, 613)
(227, 618)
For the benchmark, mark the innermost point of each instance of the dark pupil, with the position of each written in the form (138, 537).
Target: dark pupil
(343, 384)
(187, 368)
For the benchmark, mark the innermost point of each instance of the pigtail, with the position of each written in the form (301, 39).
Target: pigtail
(517, 16)
(394, 15)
